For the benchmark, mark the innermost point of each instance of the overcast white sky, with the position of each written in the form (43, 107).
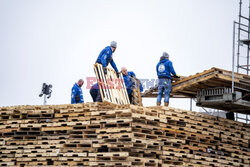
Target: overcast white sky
(58, 41)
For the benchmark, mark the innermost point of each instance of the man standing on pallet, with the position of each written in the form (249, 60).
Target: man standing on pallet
(105, 57)
(76, 93)
(129, 81)
(164, 70)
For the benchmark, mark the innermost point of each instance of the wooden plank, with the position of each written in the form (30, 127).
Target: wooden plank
(206, 72)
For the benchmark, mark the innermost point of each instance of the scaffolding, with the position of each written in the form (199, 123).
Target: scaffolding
(243, 40)
(241, 30)
(242, 43)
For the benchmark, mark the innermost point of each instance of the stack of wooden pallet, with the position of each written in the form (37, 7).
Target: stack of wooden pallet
(105, 134)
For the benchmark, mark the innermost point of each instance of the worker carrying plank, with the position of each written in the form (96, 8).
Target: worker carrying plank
(164, 70)
(76, 92)
(105, 57)
(129, 82)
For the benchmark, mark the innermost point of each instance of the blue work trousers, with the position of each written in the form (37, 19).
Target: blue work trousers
(164, 86)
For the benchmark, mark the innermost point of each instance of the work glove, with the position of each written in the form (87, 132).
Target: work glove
(117, 74)
(132, 79)
(177, 76)
(105, 70)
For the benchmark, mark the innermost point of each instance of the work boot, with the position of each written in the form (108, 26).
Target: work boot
(158, 104)
(166, 104)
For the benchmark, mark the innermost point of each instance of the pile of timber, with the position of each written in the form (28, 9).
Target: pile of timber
(214, 77)
(105, 134)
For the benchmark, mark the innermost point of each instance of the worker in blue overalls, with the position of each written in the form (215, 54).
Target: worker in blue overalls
(76, 92)
(164, 70)
(95, 93)
(105, 57)
(129, 82)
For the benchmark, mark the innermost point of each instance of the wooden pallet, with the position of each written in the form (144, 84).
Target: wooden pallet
(112, 89)
(136, 94)
(105, 134)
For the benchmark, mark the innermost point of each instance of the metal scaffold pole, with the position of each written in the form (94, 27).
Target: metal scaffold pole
(191, 107)
(238, 48)
(233, 56)
(248, 38)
